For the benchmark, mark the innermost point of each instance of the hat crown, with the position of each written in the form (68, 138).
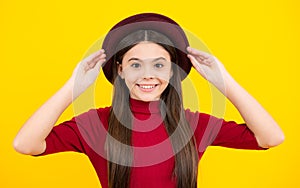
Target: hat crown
(146, 21)
(145, 17)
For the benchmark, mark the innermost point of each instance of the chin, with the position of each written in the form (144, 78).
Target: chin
(146, 98)
(149, 99)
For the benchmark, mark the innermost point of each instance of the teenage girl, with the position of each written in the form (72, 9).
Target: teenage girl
(146, 138)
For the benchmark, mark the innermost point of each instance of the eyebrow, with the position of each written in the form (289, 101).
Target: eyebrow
(155, 59)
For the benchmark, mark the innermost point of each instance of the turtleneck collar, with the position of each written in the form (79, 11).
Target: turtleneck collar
(144, 107)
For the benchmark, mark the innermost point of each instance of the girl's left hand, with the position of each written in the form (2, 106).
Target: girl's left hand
(260, 122)
(208, 66)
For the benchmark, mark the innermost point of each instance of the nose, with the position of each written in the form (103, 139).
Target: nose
(148, 72)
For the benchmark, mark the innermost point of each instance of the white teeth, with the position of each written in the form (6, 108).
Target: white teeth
(147, 87)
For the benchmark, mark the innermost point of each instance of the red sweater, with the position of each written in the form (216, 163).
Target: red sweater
(153, 154)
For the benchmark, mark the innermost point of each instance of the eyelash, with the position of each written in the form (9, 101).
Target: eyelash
(135, 65)
(159, 65)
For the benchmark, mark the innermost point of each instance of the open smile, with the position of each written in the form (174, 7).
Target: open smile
(147, 87)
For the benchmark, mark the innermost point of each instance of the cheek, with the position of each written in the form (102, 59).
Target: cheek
(164, 76)
(130, 78)
(164, 83)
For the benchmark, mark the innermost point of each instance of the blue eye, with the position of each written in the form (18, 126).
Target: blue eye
(135, 65)
(158, 65)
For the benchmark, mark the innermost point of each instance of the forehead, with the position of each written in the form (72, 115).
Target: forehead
(146, 50)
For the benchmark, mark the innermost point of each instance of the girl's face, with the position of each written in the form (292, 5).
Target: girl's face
(146, 69)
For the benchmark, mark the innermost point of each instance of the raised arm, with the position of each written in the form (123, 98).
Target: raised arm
(266, 130)
(30, 139)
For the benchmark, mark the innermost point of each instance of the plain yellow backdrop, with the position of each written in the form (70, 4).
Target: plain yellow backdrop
(257, 41)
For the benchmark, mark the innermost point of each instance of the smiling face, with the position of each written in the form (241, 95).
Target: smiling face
(146, 69)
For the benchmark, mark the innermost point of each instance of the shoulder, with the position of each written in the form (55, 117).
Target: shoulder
(103, 110)
(201, 122)
(93, 116)
(94, 112)
(197, 117)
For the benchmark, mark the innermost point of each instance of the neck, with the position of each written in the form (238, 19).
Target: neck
(148, 107)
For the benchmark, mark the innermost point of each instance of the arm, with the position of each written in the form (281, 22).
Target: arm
(30, 139)
(266, 130)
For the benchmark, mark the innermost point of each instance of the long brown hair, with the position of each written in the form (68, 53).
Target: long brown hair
(120, 157)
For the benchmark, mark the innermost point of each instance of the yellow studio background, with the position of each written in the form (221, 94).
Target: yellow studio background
(257, 41)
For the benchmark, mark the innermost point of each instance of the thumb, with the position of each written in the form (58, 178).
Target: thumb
(99, 65)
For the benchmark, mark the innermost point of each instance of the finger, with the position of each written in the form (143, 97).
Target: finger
(92, 62)
(96, 61)
(196, 52)
(96, 58)
(94, 55)
(99, 64)
(202, 60)
(195, 63)
(208, 61)
(197, 66)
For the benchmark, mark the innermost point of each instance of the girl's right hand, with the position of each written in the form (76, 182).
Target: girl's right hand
(31, 137)
(86, 72)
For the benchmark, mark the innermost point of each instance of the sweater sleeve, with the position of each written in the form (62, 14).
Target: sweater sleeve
(214, 131)
(80, 134)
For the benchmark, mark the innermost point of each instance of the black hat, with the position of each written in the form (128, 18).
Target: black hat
(146, 21)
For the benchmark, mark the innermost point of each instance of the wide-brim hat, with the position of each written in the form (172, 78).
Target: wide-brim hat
(147, 21)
